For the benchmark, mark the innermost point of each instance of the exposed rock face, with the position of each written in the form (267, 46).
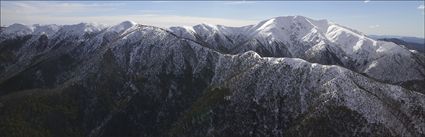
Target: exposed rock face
(136, 80)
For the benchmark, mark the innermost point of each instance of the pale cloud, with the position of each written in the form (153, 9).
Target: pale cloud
(366, 1)
(42, 8)
(148, 19)
(421, 7)
(160, 1)
(71, 13)
(239, 2)
(154, 11)
(374, 26)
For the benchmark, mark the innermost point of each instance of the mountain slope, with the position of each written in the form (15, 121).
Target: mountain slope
(317, 41)
(138, 80)
(410, 45)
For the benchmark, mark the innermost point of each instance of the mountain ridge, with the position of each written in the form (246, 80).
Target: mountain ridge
(301, 39)
(149, 81)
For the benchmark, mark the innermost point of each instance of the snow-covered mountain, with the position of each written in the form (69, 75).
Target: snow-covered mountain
(286, 76)
(404, 38)
(317, 41)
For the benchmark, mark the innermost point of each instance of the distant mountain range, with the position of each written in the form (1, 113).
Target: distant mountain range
(285, 76)
(404, 38)
(410, 45)
(413, 43)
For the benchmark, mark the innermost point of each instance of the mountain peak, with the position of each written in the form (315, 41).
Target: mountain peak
(123, 26)
(17, 25)
(284, 26)
(45, 29)
(206, 26)
(17, 29)
(81, 28)
(128, 23)
(301, 20)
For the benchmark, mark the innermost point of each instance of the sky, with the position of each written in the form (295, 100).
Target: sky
(402, 18)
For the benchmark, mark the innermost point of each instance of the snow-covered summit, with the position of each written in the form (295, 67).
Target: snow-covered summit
(303, 28)
(17, 29)
(82, 28)
(122, 26)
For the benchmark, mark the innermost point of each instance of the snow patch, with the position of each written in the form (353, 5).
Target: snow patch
(123, 26)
